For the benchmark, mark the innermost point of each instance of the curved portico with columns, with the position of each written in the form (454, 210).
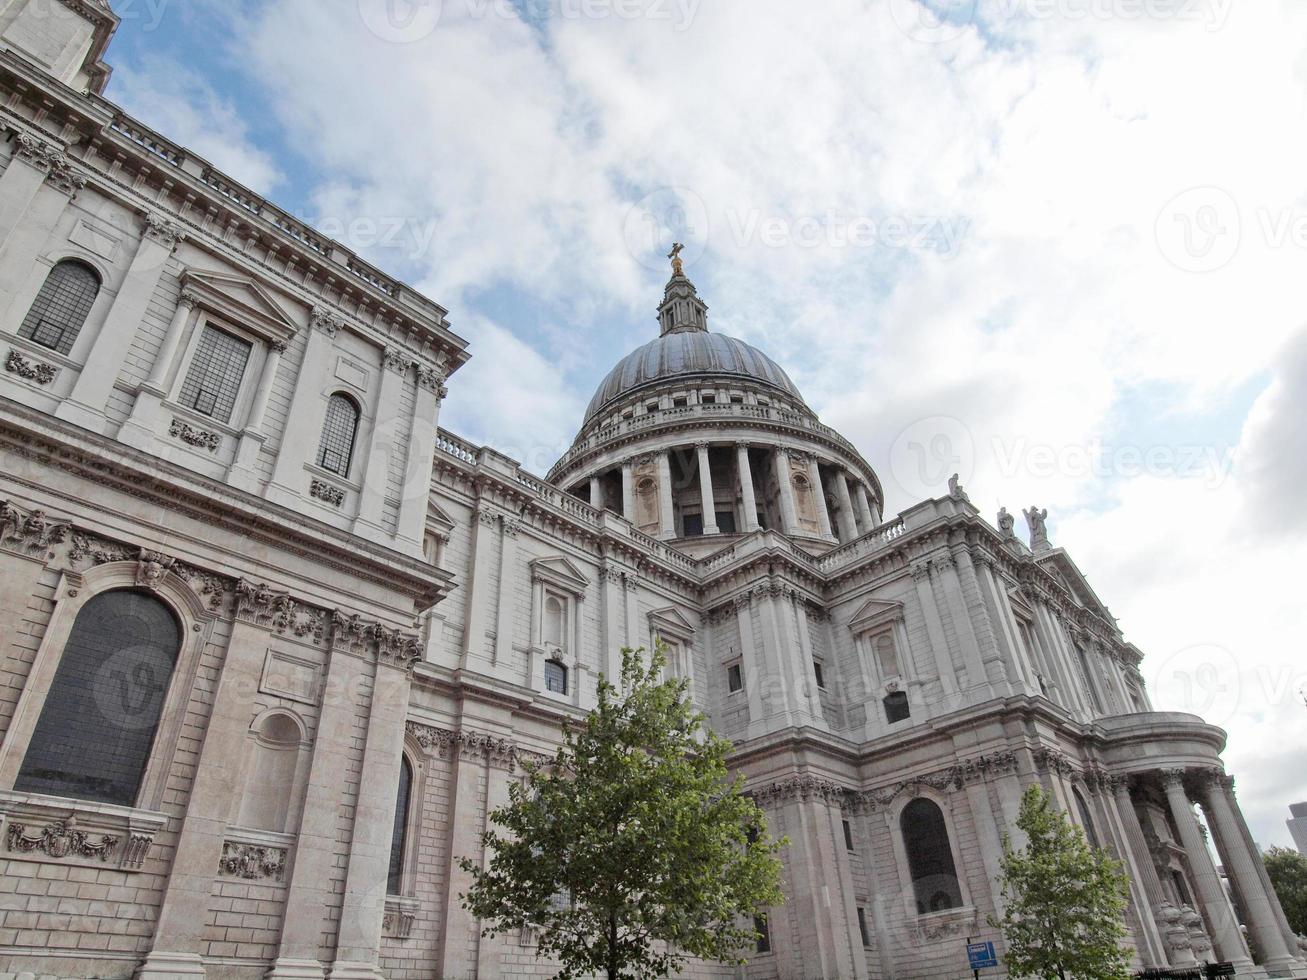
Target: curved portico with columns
(697, 437)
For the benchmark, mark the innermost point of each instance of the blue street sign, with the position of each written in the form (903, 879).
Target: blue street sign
(981, 956)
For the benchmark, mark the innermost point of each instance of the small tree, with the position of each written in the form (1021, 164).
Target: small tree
(1065, 900)
(1288, 871)
(631, 851)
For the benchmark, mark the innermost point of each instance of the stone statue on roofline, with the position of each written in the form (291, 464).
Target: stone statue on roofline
(1037, 520)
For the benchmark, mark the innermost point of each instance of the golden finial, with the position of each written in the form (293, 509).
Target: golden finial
(675, 255)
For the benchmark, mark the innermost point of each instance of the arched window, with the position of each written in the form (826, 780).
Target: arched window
(93, 738)
(930, 857)
(399, 832)
(896, 707)
(62, 305)
(1091, 835)
(555, 677)
(337, 446)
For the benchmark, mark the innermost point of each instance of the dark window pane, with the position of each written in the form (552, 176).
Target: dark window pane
(693, 525)
(337, 446)
(930, 857)
(399, 831)
(735, 677)
(555, 677)
(821, 677)
(61, 307)
(214, 378)
(726, 521)
(93, 738)
(1086, 819)
(764, 934)
(848, 835)
(896, 707)
(862, 927)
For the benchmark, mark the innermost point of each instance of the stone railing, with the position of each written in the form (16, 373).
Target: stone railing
(148, 140)
(449, 443)
(873, 540)
(717, 412)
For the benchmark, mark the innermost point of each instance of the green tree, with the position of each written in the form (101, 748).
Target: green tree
(1065, 900)
(631, 851)
(1288, 871)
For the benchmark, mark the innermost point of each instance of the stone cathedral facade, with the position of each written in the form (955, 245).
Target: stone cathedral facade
(272, 643)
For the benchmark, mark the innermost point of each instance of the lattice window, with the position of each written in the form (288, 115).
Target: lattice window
(93, 738)
(930, 857)
(338, 430)
(555, 677)
(214, 378)
(61, 307)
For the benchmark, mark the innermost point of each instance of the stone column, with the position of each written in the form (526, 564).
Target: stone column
(421, 451)
(611, 619)
(864, 506)
(309, 897)
(179, 934)
(785, 487)
(138, 430)
(819, 497)
(943, 656)
(596, 493)
(32, 162)
(358, 945)
(1145, 887)
(1207, 883)
(242, 472)
(709, 502)
(387, 424)
(946, 573)
(1263, 926)
(301, 435)
(756, 674)
(507, 604)
(476, 609)
(747, 498)
(628, 490)
(90, 394)
(799, 609)
(666, 512)
(848, 520)
(462, 940)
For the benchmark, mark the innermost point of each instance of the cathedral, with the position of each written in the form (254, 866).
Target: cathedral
(273, 643)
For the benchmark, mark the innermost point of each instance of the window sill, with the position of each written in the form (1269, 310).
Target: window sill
(32, 348)
(933, 926)
(201, 420)
(322, 473)
(82, 833)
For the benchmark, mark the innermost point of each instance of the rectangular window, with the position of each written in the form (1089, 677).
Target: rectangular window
(214, 378)
(764, 934)
(726, 521)
(762, 520)
(821, 677)
(693, 524)
(862, 927)
(848, 835)
(734, 678)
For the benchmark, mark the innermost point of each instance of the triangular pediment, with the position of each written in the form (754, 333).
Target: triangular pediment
(669, 621)
(1059, 564)
(875, 613)
(242, 299)
(438, 519)
(561, 572)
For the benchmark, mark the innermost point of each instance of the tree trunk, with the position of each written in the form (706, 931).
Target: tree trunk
(613, 965)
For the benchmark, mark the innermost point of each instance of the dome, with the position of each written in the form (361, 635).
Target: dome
(689, 353)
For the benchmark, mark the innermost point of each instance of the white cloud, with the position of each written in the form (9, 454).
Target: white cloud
(1130, 189)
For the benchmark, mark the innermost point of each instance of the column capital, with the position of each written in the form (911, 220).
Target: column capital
(1173, 778)
(324, 320)
(395, 359)
(277, 347)
(189, 299)
(743, 445)
(701, 445)
(432, 380)
(160, 229)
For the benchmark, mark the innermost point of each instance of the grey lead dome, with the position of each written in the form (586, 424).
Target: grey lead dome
(684, 354)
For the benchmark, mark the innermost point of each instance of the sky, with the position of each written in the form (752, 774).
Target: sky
(1056, 246)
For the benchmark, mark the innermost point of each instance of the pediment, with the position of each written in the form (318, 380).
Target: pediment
(1059, 564)
(669, 621)
(437, 517)
(241, 299)
(875, 613)
(560, 572)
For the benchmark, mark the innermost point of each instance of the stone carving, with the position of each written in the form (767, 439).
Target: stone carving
(278, 611)
(1053, 761)
(499, 752)
(359, 635)
(194, 436)
(955, 777)
(955, 489)
(36, 371)
(161, 230)
(432, 380)
(153, 569)
(323, 319)
(252, 862)
(1036, 520)
(805, 788)
(50, 159)
(327, 492)
(59, 840)
(397, 923)
(33, 532)
(394, 359)
(1007, 524)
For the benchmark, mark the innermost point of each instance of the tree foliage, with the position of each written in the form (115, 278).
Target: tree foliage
(1065, 900)
(632, 850)
(1288, 871)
